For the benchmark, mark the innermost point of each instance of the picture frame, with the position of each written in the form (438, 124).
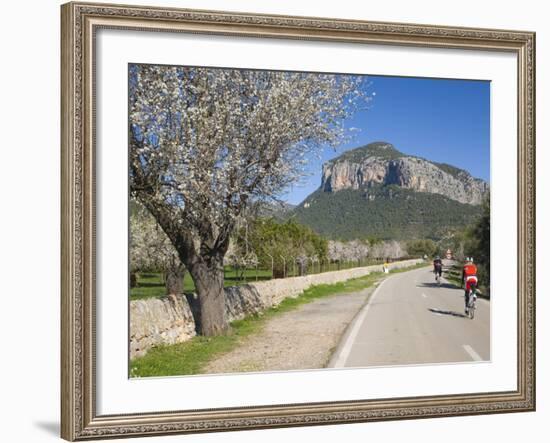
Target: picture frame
(80, 23)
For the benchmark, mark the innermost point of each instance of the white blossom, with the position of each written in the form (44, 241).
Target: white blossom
(208, 142)
(150, 248)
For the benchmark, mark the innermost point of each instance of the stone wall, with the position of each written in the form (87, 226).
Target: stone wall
(169, 320)
(155, 321)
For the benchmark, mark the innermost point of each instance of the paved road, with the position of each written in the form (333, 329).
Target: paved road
(410, 320)
(303, 338)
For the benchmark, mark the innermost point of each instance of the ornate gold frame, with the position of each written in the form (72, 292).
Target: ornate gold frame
(79, 21)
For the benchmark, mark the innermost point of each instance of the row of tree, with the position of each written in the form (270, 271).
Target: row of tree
(285, 248)
(276, 245)
(423, 247)
(359, 250)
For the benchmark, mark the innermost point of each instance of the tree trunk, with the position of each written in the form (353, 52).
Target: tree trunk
(211, 319)
(202, 253)
(173, 279)
(133, 279)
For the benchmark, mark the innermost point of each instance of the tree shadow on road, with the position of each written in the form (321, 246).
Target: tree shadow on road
(435, 285)
(451, 313)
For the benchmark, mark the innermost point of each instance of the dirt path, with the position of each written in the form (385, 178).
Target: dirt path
(300, 339)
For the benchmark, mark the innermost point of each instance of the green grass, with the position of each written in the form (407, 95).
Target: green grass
(192, 356)
(186, 358)
(453, 275)
(150, 285)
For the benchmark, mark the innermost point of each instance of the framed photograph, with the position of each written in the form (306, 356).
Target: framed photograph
(275, 221)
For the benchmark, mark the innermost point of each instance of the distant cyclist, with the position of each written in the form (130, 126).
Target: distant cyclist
(438, 267)
(469, 277)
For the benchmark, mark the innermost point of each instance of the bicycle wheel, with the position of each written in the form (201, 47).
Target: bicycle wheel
(471, 307)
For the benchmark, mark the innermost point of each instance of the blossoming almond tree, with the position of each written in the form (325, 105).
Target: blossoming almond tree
(206, 144)
(151, 250)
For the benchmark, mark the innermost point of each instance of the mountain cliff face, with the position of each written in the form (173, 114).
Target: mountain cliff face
(381, 164)
(378, 191)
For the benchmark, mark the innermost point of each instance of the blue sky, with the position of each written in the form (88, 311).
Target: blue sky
(446, 121)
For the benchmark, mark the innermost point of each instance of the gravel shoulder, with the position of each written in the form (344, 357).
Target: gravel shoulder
(300, 339)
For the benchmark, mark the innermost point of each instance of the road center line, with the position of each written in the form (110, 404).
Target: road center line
(346, 349)
(475, 356)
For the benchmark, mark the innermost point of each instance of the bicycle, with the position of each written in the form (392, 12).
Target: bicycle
(437, 273)
(472, 299)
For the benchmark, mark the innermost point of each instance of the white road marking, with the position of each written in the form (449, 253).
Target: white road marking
(475, 356)
(346, 349)
(424, 295)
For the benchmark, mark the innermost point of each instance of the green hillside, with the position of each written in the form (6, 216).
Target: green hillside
(386, 212)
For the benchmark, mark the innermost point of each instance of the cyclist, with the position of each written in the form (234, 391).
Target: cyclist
(469, 277)
(438, 267)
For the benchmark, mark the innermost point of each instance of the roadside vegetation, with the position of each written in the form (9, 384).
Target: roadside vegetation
(423, 247)
(474, 241)
(454, 276)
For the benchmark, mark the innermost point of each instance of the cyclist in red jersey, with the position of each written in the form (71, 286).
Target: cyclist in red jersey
(469, 277)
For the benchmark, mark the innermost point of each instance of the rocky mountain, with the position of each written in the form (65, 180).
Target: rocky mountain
(381, 164)
(375, 190)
